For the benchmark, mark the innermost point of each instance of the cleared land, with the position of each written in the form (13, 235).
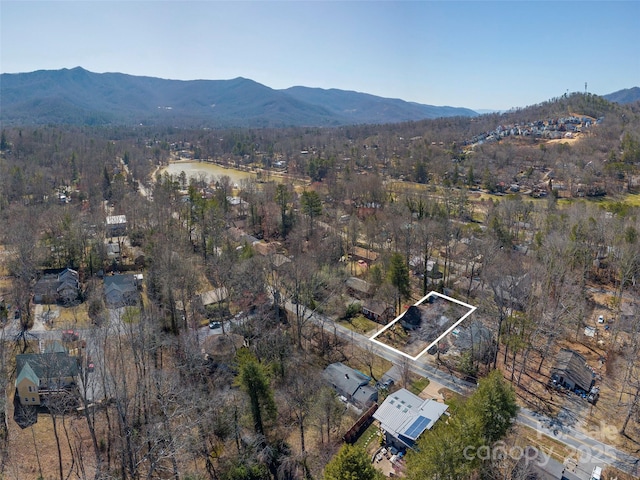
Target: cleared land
(423, 325)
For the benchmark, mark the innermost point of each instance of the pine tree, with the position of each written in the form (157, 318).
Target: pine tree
(351, 463)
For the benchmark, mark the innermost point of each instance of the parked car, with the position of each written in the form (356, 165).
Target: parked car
(213, 325)
(69, 336)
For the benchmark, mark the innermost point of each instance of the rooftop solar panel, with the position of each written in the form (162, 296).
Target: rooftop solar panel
(417, 427)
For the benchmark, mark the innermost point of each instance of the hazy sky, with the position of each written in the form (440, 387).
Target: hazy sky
(476, 54)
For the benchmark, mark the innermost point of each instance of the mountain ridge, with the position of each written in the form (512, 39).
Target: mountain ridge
(78, 96)
(626, 95)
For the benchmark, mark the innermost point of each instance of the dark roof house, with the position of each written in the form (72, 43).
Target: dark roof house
(571, 371)
(351, 384)
(62, 287)
(377, 311)
(41, 374)
(121, 290)
(412, 318)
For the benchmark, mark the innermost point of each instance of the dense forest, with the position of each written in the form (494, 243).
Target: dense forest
(531, 215)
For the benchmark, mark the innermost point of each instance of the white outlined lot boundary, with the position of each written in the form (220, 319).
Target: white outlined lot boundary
(446, 332)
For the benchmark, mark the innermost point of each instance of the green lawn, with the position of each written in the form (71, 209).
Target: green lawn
(360, 324)
(419, 385)
(368, 438)
(131, 314)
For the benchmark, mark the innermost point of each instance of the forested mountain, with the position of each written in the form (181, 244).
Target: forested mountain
(80, 97)
(628, 95)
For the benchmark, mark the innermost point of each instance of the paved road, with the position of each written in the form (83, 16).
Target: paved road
(589, 451)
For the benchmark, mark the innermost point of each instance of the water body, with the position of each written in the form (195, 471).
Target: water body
(210, 170)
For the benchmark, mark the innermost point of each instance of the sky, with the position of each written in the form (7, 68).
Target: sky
(478, 54)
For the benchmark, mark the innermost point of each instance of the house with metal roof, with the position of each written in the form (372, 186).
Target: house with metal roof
(116, 225)
(351, 384)
(404, 416)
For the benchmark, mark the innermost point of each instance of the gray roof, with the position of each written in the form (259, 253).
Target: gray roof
(344, 379)
(377, 307)
(365, 395)
(473, 334)
(27, 372)
(118, 289)
(359, 285)
(570, 364)
(405, 415)
(216, 295)
(48, 365)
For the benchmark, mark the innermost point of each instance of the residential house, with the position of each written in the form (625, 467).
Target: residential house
(263, 248)
(412, 318)
(512, 291)
(404, 416)
(277, 260)
(121, 290)
(237, 206)
(474, 338)
(116, 225)
(360, 253)
(571, 371)
(358, 288)
(62, 287)
(379, 312)
(113, 250)
(351, 384)
(213, 297)
(43, 375)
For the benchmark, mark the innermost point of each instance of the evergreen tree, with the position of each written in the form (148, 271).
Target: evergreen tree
(311, 206)
(283, 196)
(351, 463)
(494, 403)
(3, 141)
(450, 450)
(399, 276)
(253, 379)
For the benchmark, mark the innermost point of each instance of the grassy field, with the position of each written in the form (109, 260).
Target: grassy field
(418, 385)
(360, 324)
